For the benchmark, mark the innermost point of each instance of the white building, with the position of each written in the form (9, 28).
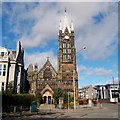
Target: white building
(108, 91)
(12, 68)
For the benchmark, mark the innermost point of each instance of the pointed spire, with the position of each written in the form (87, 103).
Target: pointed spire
(60, 25)
(36, 67)
(18, 48)
(66, 23)
(65, 11)
(47, 58)
(30, 67)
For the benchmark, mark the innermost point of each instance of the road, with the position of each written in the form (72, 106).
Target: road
(106, 111)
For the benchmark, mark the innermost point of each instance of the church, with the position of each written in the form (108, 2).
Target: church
(47, 78)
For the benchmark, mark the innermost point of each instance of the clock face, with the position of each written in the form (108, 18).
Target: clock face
(66, 37)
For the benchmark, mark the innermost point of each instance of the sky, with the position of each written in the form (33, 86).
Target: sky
(36, 25)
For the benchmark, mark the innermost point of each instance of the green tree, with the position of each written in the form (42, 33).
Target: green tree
(10, 88)
(60, 93)
(38, 97)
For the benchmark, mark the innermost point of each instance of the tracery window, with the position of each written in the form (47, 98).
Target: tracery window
(47, 74)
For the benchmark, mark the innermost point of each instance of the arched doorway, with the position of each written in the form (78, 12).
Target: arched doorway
(44, 100)
(47, 95)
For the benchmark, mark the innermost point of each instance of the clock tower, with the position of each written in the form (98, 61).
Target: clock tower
(67, 55)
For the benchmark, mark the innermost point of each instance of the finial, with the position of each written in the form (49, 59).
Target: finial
(60, 25)
(72, 28)
(47, 58)
(65, 11)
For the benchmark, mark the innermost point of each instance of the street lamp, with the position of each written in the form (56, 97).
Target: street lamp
(84, 47)
(68, 100)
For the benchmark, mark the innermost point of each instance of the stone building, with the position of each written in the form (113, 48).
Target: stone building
(87, 92)
(47, 78)
(12, 70)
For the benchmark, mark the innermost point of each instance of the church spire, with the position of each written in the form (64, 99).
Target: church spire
(65, 24)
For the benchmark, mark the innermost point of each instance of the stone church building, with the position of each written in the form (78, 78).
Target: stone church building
(47, 78)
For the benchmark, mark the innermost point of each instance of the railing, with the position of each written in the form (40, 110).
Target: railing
(17, 108)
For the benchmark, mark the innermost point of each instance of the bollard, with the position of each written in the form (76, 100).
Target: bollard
(30, 108)
(14, 109)
(100, 104)
(20, 108)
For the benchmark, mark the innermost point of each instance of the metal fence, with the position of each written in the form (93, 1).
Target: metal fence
(18, 108)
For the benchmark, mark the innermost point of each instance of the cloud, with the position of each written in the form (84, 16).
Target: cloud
(94, 71)
(40, 59)
(37, 24)
(116, 81)
(101, 38)
(102, 72)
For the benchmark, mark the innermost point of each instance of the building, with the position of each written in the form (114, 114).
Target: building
(87, 92)
(108, 91)
(47, 78)
(12, 70)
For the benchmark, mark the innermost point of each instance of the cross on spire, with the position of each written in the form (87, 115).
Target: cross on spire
(65, 11)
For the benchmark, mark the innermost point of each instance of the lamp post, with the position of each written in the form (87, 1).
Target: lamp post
(36, 80)
(68, 100)
(74, 77)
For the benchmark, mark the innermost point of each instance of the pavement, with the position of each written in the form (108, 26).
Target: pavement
(84, 111)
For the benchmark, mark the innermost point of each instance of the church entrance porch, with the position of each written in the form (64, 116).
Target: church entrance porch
(47, 95)
(47, 98)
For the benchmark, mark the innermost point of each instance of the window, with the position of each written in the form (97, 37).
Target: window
(64, 45)
(2, 83)
(64, 50)
(69, 57)
(68, 45)
(0, 69)
(69, 50)
(2, 53)
(4, 70)
(64, 57)
(6, 54)
(2, 88)
(47, 74)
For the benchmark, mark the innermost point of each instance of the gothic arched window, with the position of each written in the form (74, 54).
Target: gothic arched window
(47, 74)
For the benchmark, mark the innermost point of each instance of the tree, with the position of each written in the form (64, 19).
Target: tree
(59, 93)
(38, 98)
(10, 88)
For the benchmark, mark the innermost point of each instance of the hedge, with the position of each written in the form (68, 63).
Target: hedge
(17, 99)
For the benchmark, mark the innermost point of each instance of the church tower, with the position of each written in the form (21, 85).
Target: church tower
(67, 54)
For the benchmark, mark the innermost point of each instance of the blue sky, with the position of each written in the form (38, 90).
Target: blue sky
(36, 26)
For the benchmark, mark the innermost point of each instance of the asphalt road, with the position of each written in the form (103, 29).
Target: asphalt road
(106, 111)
